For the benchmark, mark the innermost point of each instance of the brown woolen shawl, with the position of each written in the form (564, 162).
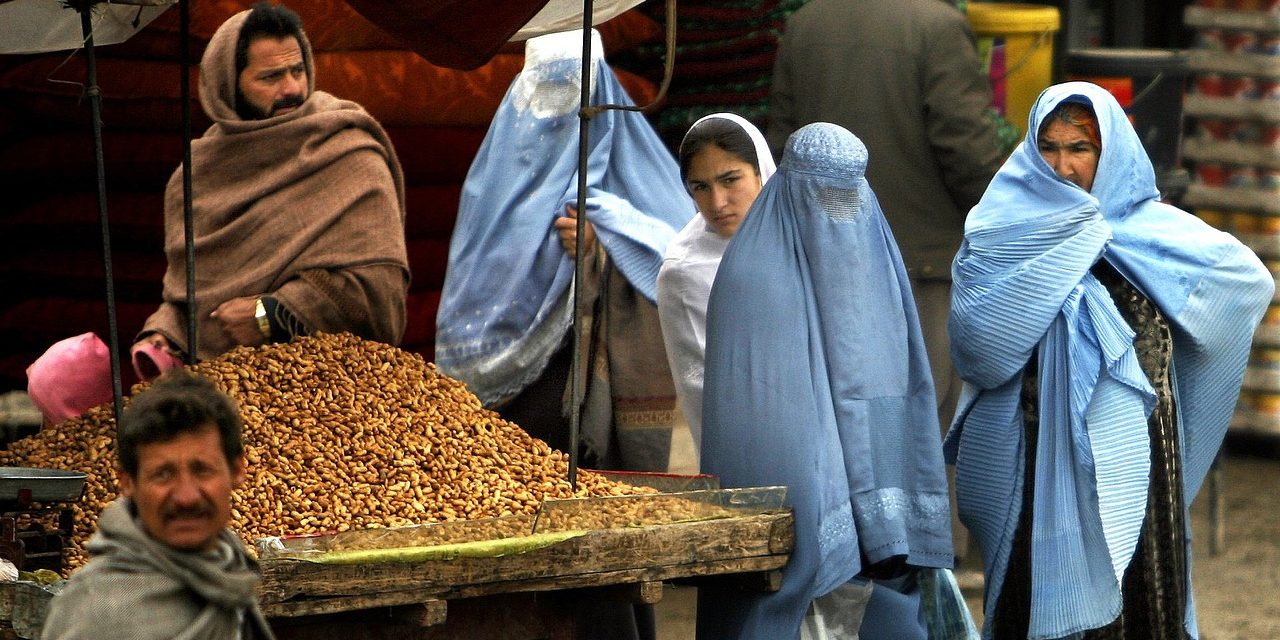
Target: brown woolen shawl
(307, 207)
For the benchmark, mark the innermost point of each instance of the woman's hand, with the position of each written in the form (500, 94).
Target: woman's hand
(567, 227)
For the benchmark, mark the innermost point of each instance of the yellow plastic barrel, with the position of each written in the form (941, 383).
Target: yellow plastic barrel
(1015, 42)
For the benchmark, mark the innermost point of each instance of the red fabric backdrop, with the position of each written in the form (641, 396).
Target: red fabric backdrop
(51, 269)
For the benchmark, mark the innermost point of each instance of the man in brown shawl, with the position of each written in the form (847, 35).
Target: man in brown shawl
(164, 564)
(298, 206)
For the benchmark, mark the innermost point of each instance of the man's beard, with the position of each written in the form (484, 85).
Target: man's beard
(248, 111)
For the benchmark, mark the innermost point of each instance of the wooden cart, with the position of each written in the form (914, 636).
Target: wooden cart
(534, 594)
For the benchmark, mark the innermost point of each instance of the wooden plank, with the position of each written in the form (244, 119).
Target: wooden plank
(522, 616)
(731, 545)
(7, 587)
(339, 602)
(761, 581)
(599, 579)
(322, 606)
(426, 614)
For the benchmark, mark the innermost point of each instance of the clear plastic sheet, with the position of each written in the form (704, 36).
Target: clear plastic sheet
(426, 535)
(585, 514)
(556, 521)
(664, 482)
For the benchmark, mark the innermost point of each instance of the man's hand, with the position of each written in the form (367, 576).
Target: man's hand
(158, 340)
(236, 319)
(567, 227)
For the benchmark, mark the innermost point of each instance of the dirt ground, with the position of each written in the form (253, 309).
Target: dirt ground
(1236, 581)
(1237, 590)
(1237, 586)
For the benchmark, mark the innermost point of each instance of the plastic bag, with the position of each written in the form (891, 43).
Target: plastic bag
(946, 614)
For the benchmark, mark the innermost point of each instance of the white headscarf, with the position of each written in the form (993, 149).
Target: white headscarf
(684, 283)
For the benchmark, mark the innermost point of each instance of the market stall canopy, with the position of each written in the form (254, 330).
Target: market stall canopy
(459, 34)
(463, 34)
(34, 26)
(566, 15)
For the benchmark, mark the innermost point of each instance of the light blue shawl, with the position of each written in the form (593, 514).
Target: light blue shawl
(1021, 282)
(506, 302)
(817, 379)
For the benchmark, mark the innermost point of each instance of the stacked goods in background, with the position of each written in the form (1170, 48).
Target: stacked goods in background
(1015, 44)
(723, 61)
(51, 267)
(1235, 156)
(342, 434)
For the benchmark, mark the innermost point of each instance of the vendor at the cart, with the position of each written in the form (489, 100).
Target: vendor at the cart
(298, 203)
(164, 565)
(298, 206)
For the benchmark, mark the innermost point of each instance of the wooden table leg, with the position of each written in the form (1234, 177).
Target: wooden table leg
(1217, 507)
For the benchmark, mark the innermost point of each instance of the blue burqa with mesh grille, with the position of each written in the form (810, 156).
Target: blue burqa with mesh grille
(817, 379)
(505, 306)
(1022, 284)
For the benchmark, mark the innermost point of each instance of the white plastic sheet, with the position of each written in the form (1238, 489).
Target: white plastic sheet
(566, 15)
(34, 26)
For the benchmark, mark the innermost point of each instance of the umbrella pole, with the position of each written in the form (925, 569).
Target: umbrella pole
(184, 17)
(95, 108)
(576, 373)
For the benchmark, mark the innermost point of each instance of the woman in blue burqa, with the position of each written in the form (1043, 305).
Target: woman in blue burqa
(817, 379)
(505, 317)
(1102, 335)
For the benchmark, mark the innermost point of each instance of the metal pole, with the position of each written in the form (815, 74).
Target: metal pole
(184, 14)
(586, 112)
(576, 373)
(95, 109)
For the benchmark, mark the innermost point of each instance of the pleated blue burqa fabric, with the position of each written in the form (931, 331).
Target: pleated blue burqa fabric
(817, 379)
(506, 303)
(1022, 285)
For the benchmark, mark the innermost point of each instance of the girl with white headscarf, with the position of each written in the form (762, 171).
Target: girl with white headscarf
(724, 161)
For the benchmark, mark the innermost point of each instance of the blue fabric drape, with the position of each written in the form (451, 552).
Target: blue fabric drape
(505, 305)
(817, 379)
(1021, 283)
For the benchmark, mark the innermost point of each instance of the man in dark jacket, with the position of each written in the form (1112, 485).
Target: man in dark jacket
(164, 564)
(905, 78)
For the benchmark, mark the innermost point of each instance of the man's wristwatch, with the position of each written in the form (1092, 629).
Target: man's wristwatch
(260, 315)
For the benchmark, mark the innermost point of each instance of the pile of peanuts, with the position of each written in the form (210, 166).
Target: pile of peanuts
(85, 444)
(341, 434)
